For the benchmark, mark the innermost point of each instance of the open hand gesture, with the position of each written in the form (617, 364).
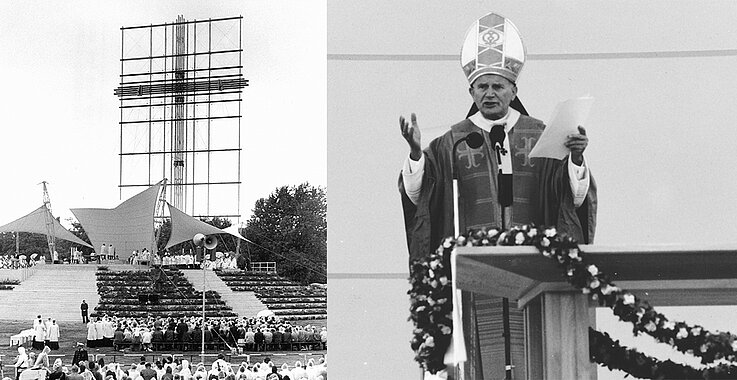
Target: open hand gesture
(411, 134)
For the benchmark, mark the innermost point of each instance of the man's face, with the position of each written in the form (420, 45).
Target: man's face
(492, 95)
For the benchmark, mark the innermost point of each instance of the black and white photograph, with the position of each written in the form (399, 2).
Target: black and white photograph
(453, 190)
(164, 207)
(630, 275)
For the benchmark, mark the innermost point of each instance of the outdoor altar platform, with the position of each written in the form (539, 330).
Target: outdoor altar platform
(557, 316)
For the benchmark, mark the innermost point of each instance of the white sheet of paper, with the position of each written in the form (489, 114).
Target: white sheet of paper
(567, 116)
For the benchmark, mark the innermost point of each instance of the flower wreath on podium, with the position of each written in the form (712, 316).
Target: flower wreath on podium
(431, 309)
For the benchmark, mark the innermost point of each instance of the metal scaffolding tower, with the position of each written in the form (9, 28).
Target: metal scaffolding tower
(180, 112)
(48, 220)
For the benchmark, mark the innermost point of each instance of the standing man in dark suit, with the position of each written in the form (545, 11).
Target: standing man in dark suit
(84, 307)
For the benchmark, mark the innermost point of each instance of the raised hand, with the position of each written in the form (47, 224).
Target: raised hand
(411, 134)
(577, 143)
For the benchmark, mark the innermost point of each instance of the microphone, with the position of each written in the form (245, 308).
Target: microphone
(474, 140)
(497, 137)
(504, 181)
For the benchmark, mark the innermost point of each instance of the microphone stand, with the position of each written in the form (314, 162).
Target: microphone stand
(459, 367)
(473, 140)
(506, 333)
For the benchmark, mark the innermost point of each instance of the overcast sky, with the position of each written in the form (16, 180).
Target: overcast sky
(59, 117)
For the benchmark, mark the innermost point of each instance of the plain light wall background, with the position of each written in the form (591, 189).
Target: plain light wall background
(662, 139)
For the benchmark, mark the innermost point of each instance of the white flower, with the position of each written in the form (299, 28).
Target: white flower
(595, 297)
(430, 341)
(704, 348)
(443, 280)
(683, 333)
(446, 330)
(448, 242)
(696, 331)
(532, 233)
(442, 301)
(430, 273)
(669, 325)
(519, 238)
(585, 290)
(573, 253)
(594, 284)
(650, 326)
(434, 264)
(462, 241)
(550, 232)
(607, 289)
(434, 283)
(545, 242)
(593, 270)
(502, 236)
(492, 232)
(640, 313)
(570, 273)
(430, 301)
(734, 345)
(484, 241)
(547, 253)
(628, 299)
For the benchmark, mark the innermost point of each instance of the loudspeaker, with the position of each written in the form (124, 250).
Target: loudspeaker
(198, 239)
(211, 242)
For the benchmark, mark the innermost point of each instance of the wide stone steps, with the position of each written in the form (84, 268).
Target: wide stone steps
(52, 290)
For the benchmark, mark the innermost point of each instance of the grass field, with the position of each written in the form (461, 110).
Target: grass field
(71, 333)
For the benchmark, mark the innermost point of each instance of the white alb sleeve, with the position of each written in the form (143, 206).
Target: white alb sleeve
(412, 172)
(579, 179)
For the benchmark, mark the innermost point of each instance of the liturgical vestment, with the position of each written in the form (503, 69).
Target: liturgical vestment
(541, 195)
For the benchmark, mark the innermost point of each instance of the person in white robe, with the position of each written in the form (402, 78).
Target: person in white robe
(53, 335)
(91, 335)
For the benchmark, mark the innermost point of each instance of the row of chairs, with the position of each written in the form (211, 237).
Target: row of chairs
(220, 346)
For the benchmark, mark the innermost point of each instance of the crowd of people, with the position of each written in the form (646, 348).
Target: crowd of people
(222, 260)
(143, 257)
(13, 261)
(249, 334)
(168, 368)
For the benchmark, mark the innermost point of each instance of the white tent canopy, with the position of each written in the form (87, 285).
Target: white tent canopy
(184, 227)
(128, 227)
(233, 230)
(35, 222)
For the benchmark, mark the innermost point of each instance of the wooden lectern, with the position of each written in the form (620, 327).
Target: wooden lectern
(557, 316)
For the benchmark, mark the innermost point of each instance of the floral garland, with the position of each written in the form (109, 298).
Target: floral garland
(612, 355)
(431, 298)
(431, 308)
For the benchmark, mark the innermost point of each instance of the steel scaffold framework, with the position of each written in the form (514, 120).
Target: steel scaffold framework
(180, 112)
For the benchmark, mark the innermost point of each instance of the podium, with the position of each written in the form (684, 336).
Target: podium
(557, 316)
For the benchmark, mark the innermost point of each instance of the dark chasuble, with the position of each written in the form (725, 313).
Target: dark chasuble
(541, 195)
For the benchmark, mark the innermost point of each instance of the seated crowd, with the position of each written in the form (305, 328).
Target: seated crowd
(222, 260)
(16, 262)
(186, 333)
(168, 368)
